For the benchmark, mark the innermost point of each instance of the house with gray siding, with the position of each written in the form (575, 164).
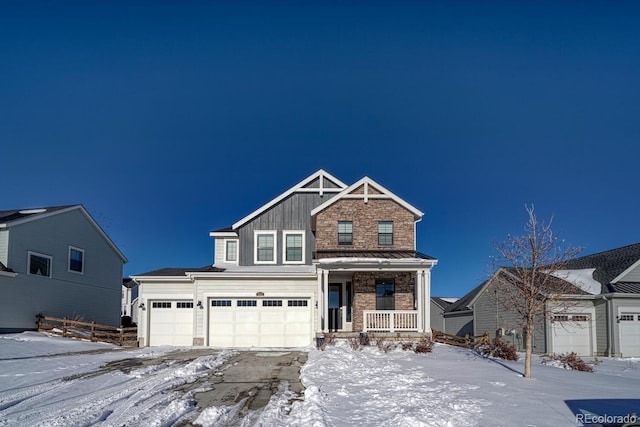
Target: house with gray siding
(600, 318)
(322, 257)
(59, 262)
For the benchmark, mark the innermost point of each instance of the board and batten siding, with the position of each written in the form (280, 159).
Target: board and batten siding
(4, 247)
(292, 213)
(94, 295)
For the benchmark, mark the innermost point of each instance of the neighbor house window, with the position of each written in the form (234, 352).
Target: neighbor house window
(385, 233)
(76, 260)
(39, 264)
(293, 246)
(265, 247)
(385, 294)
(345, 232)
(231, 251)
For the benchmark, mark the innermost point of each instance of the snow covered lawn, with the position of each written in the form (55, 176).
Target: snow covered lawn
(42, 384)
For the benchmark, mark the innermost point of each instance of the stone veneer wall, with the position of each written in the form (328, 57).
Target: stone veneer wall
(365, 217)
(364, 290)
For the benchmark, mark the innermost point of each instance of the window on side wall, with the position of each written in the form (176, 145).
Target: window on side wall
(385, 294)
(76, 260)
(385, 233)
(293, 247)
(265, 247)
(345, 232)
(39, 264)
(231, 251)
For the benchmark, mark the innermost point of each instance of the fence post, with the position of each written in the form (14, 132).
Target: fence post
(64, 326)
(93, 331)
(121, 336)
(39, 316)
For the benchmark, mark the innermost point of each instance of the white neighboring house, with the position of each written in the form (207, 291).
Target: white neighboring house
(129, 299)
(59, 262)
(321, 257)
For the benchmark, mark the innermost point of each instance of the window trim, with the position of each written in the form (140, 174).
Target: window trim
(49, 257)
(74, 248)
(338, 232)
(286, 233)
(385, 234)
(273, 233)
(226, 251)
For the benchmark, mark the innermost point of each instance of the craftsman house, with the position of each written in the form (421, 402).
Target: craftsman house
(59, 262)
(321, 257)
(600, 317)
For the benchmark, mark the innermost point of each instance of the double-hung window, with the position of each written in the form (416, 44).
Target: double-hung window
(265, 247)
(385, 233)
(39, 264)
(231, 251)
(385, 294)
(293, 247)
(76, 260)
(345, 232)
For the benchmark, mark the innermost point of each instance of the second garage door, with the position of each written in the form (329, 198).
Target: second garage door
(629, 324)
(259, 322)
(171, 323)
(571, 333)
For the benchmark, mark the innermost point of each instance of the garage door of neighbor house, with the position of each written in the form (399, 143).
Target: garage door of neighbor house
(629, 334)
(171, 322)
(571, 333)
(259, 322)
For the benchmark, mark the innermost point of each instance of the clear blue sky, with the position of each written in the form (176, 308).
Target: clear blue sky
(170, 119)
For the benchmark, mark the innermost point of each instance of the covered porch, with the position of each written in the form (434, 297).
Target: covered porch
(374, 294)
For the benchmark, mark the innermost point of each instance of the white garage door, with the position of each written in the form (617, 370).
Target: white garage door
(571, 333)
(256, 322)
(171, 322)
(629, 334)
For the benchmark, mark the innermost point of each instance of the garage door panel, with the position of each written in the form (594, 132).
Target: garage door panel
(629, 331)
(171, 323)
(261, 323)
(572, 333)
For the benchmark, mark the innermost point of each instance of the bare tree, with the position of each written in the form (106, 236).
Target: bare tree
(529, 285)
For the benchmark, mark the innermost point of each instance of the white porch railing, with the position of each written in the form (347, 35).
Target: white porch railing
(390, 320)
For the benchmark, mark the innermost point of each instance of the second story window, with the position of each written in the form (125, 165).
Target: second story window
(231, 251)
(265, 247)
(385, 233)
(345, 232)
(39, 264)
(294, 247)
(76, 260)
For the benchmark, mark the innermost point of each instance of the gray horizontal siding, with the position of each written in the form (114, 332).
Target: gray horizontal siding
(460, 324)
(4, 246)
(601, 322)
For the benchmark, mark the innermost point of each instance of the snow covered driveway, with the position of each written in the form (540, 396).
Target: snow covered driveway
(43, 383)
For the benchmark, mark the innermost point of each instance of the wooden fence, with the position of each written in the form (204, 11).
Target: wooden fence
(88, 330)
(467, 341)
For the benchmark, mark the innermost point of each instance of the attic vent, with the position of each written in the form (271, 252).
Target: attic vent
(32, 211)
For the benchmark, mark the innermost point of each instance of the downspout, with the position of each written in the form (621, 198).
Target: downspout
(609, 324)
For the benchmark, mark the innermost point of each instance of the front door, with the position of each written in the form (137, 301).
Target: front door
(335, 306)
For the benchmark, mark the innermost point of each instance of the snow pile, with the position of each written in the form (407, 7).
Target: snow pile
(581, 278)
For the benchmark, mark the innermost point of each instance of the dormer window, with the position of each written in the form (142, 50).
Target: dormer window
(345, 232)
(385, 233)
(231, 251)
(265, 247)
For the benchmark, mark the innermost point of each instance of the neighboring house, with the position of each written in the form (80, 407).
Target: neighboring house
(57, 261)
(129, 299)
(601, 317)
(438, 307)
(321, 257)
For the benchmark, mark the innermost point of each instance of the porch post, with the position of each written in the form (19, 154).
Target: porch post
(319, 303)
(419, 293)
(427, 300)
(325, 298)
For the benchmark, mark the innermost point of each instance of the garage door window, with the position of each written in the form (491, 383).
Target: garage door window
(221, 303)
(626, 318)
(184, 304)
(272, 303)
(297, 303)
(247, 303)
(161, 304)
